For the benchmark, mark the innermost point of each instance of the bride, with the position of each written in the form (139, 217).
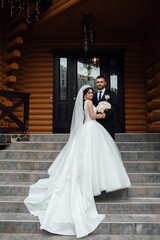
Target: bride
(89, 163)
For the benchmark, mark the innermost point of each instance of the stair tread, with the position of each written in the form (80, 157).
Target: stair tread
(30, 183)
(43, 150)
(51, 160)
(45, 172)
(109, 218)
(108, 201)
(48, 236)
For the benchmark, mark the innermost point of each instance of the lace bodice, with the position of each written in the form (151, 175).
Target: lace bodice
(86, 112)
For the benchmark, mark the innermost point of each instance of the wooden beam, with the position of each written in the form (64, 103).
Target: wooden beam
(56, 9)
(153, 105)
(14, 43)
(154, 93)
(9, 56)
(153, 82)
(153, 116)
(12, 66)
(17, 30)
(8, 79)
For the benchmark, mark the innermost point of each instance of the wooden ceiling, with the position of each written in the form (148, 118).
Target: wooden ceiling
(112, 19)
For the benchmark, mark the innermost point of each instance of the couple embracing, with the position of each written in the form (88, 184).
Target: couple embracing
(89, 163)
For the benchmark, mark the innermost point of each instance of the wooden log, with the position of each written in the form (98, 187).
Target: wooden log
(135, 80)
(6, 102)
(41, 74)
(153, 105)
(39, 90)
(8, 79)
(153, 116)
(17, 30)
(135, 122)
(41, 101)
(15, 53)
(135, 111)
(14, 43)
(135, 100)
(134, 106)
(39, 85)
(135, 128)
(134, 85)
(137, 131)
(40, 64)
(154, 93)
(41, 106)
(40, 112)
(42, 95)
(38, 80)
(41, 117)
(12, 66)
(134, 95)
(153, 82)
(4, 87)
(135, 116)
(134, 90)
(155, 129)
(40, 128)
(40, 123)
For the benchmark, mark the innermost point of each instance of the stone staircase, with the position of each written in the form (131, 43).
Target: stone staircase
(131, 214)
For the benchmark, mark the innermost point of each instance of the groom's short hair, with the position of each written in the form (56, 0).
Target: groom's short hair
(101, 76)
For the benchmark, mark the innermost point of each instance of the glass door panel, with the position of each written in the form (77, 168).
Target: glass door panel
(87, 71)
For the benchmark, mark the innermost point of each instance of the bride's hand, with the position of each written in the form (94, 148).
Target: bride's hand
(102, 115)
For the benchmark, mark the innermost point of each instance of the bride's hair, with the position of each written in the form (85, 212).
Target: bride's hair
(84, 93)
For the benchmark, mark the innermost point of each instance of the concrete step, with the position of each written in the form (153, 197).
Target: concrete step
(137, 137)
(119, 137)
(33, 176)
(131, 166)
(48, 236)
(142, 190)
(51, 154)
(123, 146)
(130, 206)
(113, 224)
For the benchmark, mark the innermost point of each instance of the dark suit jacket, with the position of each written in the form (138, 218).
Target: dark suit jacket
(110, 120)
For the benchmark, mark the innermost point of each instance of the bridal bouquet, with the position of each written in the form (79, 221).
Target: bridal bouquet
(104, 105)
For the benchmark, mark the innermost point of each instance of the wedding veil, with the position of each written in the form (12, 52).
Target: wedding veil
(78, 113)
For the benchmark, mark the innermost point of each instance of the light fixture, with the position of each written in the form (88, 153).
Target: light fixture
(28, 6)
(88, 34)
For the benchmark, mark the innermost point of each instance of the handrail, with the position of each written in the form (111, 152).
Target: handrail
(8, 111)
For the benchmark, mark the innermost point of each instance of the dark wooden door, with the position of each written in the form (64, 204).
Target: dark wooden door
(72, 69)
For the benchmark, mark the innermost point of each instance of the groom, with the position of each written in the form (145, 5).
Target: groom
(109, 121)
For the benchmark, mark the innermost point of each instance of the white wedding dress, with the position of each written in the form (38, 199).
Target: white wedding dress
(89, 163)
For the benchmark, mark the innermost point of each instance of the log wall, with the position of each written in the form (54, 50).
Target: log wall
(39, 82)
(153, 81)
(135, 89)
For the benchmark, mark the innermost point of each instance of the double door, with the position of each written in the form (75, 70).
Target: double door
(72, 69)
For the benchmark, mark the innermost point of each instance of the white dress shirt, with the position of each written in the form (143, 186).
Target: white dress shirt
(102, 93)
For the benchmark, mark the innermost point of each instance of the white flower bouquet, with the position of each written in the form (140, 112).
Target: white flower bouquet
(104, 105)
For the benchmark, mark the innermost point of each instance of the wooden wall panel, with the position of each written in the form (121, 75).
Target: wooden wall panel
(135, 92)
(39, 82)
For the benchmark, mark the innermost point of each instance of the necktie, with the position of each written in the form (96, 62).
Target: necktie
(100, 95)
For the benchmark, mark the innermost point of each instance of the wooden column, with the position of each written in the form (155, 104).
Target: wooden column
(153, 81)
